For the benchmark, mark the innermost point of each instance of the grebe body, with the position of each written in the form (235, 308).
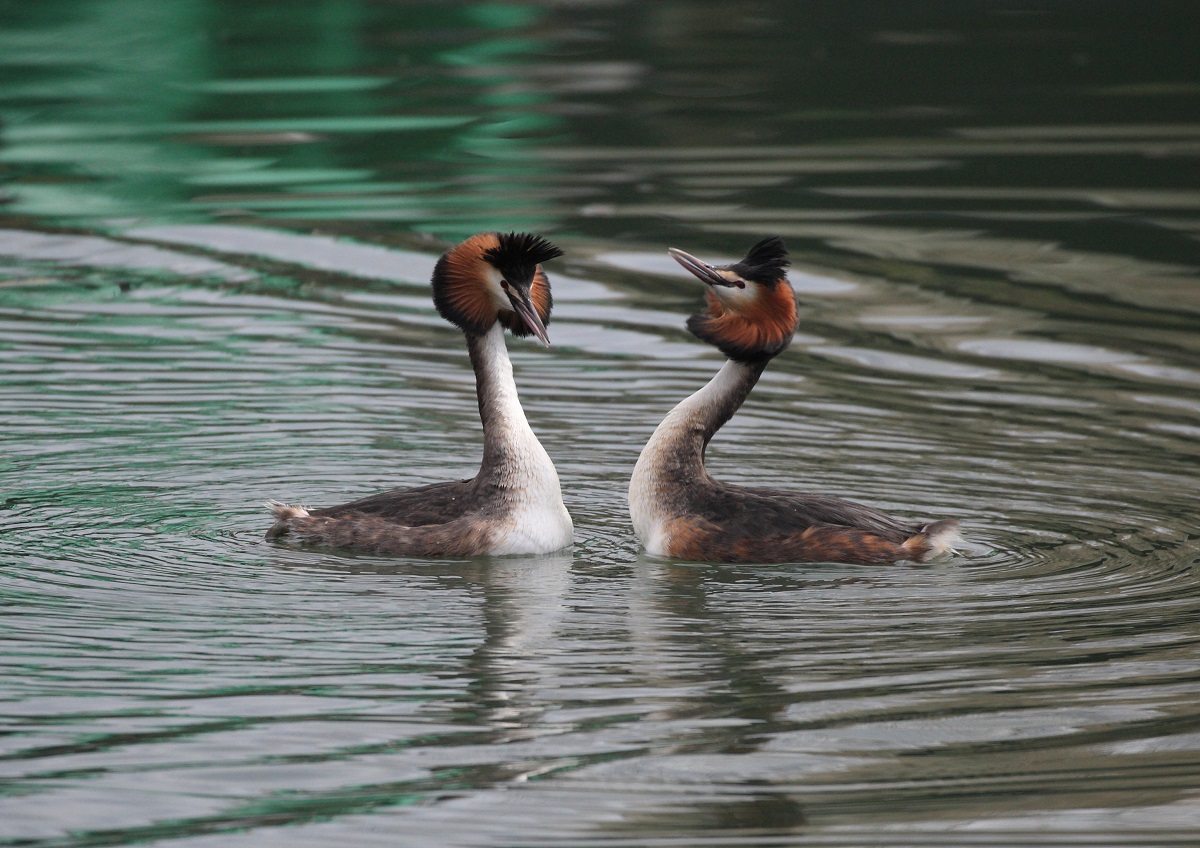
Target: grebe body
(514, 504)
(680, 511)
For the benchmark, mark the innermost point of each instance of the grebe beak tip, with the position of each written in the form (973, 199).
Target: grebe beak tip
(701, 270)
(524, 307)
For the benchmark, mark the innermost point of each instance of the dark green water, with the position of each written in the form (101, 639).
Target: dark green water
(218, 225)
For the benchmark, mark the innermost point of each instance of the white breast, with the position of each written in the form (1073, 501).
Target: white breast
(539, 521)
(645, 504)
(536, 530)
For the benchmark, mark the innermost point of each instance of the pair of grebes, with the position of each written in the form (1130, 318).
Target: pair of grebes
(494, 281)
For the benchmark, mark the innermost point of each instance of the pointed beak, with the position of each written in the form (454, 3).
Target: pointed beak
(523, 306)
(705, 272)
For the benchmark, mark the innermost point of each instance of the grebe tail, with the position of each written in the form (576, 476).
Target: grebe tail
(679, 510)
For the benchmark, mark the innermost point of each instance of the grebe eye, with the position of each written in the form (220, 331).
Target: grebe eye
(739, 284)
(504, 284)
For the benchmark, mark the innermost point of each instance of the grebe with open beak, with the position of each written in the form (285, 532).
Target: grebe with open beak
(514, 505)
(680, 511)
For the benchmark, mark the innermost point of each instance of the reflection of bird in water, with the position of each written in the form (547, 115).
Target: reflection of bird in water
(514, 504)
(680, 511)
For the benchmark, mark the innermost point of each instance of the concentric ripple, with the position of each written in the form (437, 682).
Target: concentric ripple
(169, 676)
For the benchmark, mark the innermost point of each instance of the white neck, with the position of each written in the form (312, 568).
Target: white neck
(672, 463)
(499, 404)
(514, 461)
(686, 430)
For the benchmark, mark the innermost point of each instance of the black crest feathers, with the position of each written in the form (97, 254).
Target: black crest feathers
(517, 255)
(766, 262)
(463, 281)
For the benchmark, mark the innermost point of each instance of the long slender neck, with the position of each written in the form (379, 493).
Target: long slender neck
(509, 445)
(679, 442)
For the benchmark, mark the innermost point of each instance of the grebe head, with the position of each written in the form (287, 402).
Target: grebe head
(494, 277)
(751, 313)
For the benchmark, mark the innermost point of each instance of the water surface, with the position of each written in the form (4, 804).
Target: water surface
(214, 255)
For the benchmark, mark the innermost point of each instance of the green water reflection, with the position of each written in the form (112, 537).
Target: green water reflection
(142, 110)
(622, 120)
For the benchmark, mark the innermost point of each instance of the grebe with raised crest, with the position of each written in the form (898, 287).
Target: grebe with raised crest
(514, 505)
(680, 511)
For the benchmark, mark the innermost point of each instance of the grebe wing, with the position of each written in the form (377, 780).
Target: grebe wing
(436, 503)
(777, 512)
(754, 525)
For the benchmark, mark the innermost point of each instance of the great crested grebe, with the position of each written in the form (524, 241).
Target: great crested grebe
(514, 504)
(680, 511)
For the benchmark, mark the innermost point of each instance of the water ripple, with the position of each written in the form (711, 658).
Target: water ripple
(155, 639)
